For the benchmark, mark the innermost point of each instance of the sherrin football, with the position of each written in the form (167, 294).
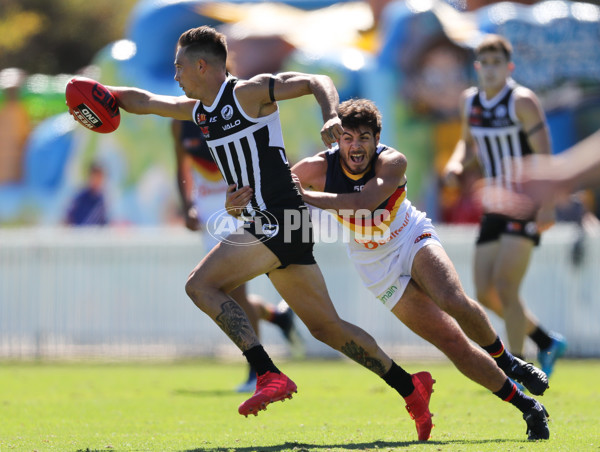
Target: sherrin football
(92, 105)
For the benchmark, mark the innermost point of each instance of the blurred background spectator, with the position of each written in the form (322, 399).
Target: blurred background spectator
(88, 208)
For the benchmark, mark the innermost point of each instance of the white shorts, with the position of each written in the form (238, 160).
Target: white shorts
(386, 270)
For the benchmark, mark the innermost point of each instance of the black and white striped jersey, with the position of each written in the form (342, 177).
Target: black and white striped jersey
(498, 133)
(248, 151)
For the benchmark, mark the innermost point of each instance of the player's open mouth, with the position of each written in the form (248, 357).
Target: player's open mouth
(357, 158)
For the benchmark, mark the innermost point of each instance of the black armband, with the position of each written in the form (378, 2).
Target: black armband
(535, 128)
(272, 88)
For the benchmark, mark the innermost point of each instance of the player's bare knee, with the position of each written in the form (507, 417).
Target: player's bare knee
(323, 331)
(455, 346)
(506, 289)
(193, 287)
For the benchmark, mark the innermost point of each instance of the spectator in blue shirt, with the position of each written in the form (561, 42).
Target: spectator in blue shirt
(88, 207)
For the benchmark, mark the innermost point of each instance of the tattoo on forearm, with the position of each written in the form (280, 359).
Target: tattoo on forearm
(234, 322)
(360, 355)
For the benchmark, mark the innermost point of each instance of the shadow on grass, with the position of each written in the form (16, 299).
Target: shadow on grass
(204, 393)
(305, 447)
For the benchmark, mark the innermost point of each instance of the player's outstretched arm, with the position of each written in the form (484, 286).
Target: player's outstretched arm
(326, 95)
(259, 94)
(584, 159)
(142, 102)
(548, 178)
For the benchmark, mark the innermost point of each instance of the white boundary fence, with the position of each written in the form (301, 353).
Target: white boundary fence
(119, 293)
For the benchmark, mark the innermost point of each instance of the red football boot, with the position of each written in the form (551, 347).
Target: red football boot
(417, 404)
(270, 387)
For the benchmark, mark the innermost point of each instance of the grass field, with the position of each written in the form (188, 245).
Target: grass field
(190, 406)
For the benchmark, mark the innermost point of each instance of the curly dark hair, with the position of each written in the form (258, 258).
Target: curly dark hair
(360, 112)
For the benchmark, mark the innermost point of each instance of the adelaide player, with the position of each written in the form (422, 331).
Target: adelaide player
(401, 261)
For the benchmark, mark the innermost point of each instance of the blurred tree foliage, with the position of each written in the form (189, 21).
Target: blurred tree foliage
(58, 36)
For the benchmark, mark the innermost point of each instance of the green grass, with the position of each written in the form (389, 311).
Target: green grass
(340, 406)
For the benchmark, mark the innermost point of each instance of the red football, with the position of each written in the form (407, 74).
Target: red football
(93, 105)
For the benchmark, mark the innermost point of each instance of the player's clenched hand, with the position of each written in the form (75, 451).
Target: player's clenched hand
(191, 219)
(237, 199)
(332, 131)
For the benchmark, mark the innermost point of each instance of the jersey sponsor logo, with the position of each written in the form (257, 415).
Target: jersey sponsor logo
(205, 131)
(372, 244)
(227, 112)
(423, 236)
(87, 117)
(233, 124)
(207, 190)
(200, 118)
(213, 119)
(385, 297)
(501, 122)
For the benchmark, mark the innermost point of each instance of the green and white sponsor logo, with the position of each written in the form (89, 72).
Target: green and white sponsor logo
(388, 294)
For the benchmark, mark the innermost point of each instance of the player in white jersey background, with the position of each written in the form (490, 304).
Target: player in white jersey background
(503, 122)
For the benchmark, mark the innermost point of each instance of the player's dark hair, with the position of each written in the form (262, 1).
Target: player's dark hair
(360, 112)
(495, 43)
(205, 40)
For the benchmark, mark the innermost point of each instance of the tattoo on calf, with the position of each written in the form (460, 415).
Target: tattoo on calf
(234, 322)
(355, 352)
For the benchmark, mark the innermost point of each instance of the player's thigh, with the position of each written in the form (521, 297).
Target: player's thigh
(513, 258)
(419, 313)
(232, 263)
(436, 276)
(303, 288)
